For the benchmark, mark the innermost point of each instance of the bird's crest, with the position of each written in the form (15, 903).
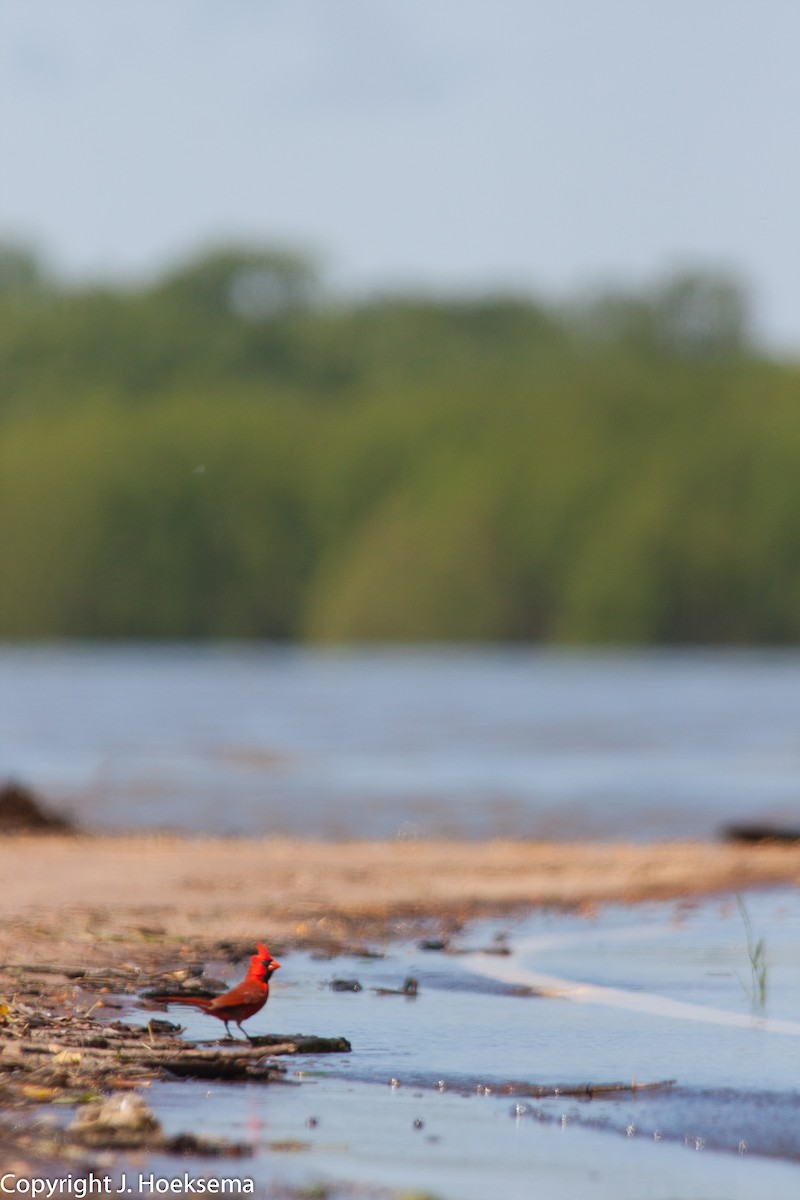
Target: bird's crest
(263, 964)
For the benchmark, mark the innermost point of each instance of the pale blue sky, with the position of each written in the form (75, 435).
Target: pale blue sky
(542, 144)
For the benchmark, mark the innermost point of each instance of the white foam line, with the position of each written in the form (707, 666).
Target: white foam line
(508, 971)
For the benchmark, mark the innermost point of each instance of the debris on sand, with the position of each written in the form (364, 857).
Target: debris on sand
(54, 1050)
(410, 988)
(123, 1118)
(761, 834)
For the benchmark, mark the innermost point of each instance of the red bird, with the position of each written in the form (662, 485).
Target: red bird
(242, 1001)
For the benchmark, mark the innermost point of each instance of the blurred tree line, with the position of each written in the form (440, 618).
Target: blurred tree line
(230, 452)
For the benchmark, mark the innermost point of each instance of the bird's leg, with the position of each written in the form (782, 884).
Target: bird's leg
(246, 1034)
(228, 1033)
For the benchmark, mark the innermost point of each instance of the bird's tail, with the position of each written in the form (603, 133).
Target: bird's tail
(194, 1001)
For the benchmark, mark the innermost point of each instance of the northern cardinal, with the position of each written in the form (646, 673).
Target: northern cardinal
(242, 1001)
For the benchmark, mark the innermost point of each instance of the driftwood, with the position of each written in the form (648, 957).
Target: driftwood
(302, 1043)
(583, 1090)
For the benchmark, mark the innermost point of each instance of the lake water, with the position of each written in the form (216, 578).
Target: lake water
(257, 739)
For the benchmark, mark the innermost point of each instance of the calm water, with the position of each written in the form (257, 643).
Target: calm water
(253, 739)
(656, 992)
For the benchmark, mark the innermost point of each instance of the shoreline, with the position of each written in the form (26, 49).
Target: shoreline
(88, 922)
(99, 894)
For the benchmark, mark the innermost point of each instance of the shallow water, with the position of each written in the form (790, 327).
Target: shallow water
(381, 743)
(467, 1149)
(729, 1127)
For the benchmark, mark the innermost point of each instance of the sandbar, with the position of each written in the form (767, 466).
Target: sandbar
(61, 893)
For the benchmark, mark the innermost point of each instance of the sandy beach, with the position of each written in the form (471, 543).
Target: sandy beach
(100, 893)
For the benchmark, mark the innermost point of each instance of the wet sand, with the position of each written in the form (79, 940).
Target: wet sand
(97, 894)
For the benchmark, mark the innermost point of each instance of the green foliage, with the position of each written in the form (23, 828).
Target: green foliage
(226, 453)
(170, 523)
(689, 314)
(233, 281)
(21, 272)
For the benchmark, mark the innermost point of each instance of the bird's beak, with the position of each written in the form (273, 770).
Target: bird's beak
(273, 963)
